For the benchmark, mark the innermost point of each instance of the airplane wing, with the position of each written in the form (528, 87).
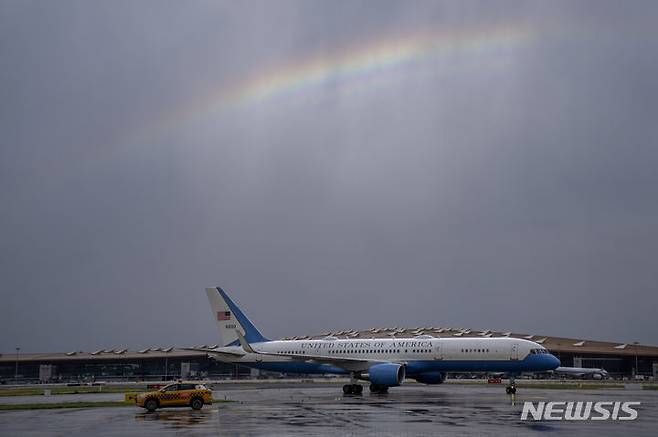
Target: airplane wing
(351, 364)
(219, 353)
(573, 371)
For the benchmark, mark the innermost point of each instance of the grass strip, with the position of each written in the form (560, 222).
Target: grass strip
(98, 404)
(58, 405)
(37, 391)
(572, 386)
(548, 385)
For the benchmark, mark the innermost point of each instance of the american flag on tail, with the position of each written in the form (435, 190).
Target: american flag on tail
(223, 315)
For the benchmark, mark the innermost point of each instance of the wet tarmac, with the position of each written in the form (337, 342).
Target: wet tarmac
(307, 410)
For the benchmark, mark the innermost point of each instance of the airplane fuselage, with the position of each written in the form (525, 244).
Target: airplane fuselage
(420, 354)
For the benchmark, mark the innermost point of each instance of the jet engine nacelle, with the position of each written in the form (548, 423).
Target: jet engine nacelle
(430, 377)
(387, 374)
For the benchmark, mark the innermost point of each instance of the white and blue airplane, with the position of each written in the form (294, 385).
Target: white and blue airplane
(383, 362)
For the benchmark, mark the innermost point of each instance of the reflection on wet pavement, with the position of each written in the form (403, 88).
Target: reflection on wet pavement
(177, 418)
(307, 410)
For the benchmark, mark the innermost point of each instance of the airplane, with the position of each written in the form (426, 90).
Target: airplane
(383, 362)
(582, 372)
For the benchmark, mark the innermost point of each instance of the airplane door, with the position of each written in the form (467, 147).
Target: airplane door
(514, 353)
(438, 352)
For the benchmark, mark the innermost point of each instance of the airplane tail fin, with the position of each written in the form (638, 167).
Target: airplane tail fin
(229, 317)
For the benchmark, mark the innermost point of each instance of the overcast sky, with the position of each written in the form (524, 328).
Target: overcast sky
(498, 182)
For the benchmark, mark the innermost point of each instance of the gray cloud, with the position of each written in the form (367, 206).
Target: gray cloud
(511, 191)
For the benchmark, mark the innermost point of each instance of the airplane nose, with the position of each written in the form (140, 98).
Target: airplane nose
(555, 362)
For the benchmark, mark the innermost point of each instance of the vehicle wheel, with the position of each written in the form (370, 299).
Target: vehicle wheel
(347, 389)
(151, 405)
(196, 404)
(358, 389)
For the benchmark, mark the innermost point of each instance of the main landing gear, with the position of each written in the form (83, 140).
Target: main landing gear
(380, 389)
(511, 388)
(352, 389)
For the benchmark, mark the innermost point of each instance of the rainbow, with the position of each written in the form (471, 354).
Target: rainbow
(361, 61)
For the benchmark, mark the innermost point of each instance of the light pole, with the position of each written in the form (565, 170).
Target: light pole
(635, 343)
(16, 371)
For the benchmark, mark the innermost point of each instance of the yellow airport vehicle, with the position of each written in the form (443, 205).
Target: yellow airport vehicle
(180, 394)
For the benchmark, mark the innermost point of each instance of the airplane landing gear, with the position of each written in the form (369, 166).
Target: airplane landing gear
(352, 389)
(380, 389)
(511, 388)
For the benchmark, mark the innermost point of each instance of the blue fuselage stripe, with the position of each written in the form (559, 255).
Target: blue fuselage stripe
(532, 363)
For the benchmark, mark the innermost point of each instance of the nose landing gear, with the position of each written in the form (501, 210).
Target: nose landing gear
(511, 388)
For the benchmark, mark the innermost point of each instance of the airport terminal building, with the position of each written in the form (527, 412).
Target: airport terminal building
(620, 360)
(154, 364)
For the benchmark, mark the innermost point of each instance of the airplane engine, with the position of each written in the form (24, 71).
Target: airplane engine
(430, 377)
(387, 374)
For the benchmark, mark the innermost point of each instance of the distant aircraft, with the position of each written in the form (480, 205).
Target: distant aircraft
(383, 362)
(582, 372)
